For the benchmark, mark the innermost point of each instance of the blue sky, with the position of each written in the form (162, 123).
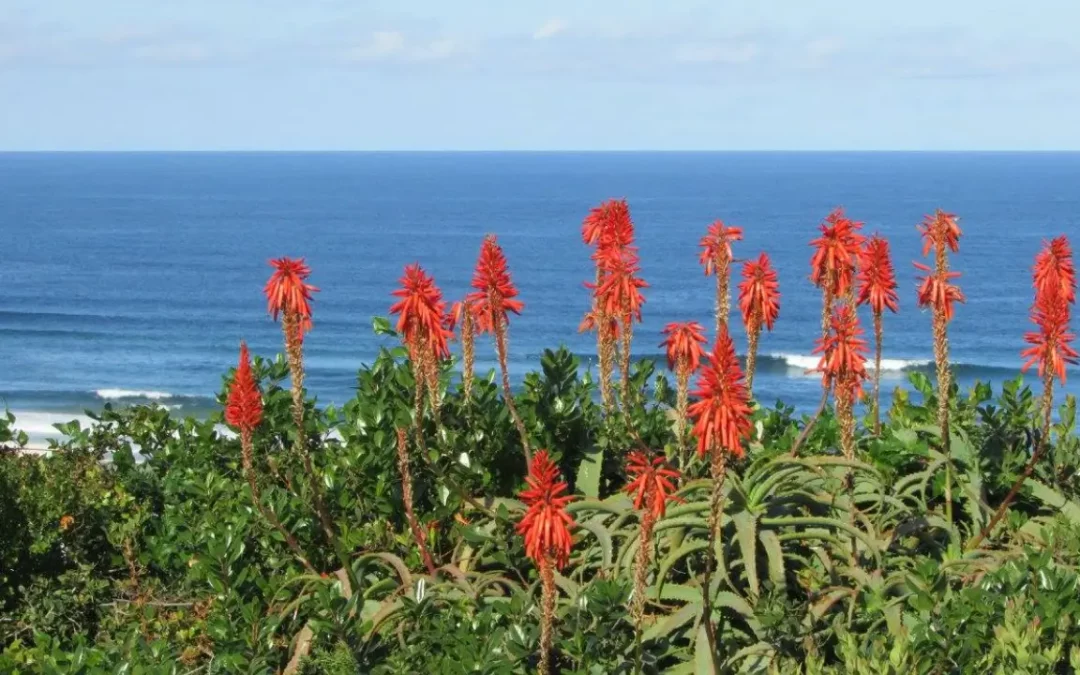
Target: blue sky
(587, 74)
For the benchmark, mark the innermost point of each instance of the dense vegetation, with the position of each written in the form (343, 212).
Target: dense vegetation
(386, 535)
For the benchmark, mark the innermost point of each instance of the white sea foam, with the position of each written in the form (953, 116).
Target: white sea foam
(799, 361)
(39, 425)
(810, 362)
(899, 364)
(113, 394)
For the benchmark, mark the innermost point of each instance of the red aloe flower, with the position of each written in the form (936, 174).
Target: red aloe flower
(717, 239)
(722, 412)
(546, 524)
(940, 230)
(619, 294)
(1055, 289)
(684, 341)
(759, 292)
(243, 409)
(609, 225)
(423, 317)
(1055, 272)
(652, 483)
(843, 353)
(456, 314)
(287, 292)
(1051, 346)
(836, 252)
(936, 292)
(495, 292)
(877, 279)
(589, 322)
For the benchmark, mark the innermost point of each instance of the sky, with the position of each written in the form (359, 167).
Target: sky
(552, 75)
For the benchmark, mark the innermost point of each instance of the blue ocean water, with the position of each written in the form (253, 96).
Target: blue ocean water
(132, 277)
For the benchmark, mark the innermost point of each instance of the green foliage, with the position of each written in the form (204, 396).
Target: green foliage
(136, 543)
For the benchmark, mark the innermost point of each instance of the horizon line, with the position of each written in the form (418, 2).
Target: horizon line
(42, 151)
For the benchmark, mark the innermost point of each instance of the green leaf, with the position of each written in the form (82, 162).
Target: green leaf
(381, 326)
(746, 532)
(672, 623)
(588, 475)
(688, 547)
(603, 537)
(704, 659)
(775, 553)
(1055, 500)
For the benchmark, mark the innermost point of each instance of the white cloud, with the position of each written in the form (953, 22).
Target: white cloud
(437, 50)
(817, 54)
(393, 46)
(734, 53)
(822, 48)
(550, 29)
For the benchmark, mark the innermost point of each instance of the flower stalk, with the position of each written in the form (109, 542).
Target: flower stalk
(463, 311)
(716, 258)
(617, 297)
(652, 485)
(683, 346)
(1051, 349)
(941, 231)
(407, 497)
(721, 423)
(877, 288)
(843, 368)
(493, 298)
(546, 528)
(289, 295)
(548, 596)
(759, 302)
(243, 412)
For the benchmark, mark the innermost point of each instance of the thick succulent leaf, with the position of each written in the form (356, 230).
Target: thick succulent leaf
(588, 475)
(753, 659)
(671, 623)
(595, 527)
(615, 505)
(688, 547)
(1054, 500)
(704, 658)
(775, 555)
(746, 533)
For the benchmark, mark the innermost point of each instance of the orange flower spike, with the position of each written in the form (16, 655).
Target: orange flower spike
(609, 225)
(287, 292)
(243, 408)
(722, 412)
(1055, 289)
(1055, 272)
(684, 340)
(621, 289)
(1051, 346)
(495, 291)
(836, 252)
(843, 351)
(589, 323)
(717, 239)
(936, 292)
(422, 312)
(652, 483)
(456, 314)
(877, 278)
(546, 524)
(940, 229)
(759, 292)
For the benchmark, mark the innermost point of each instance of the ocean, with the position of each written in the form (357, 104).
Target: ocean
(132, 277)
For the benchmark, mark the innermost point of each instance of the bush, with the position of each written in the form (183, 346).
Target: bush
(167, 560)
